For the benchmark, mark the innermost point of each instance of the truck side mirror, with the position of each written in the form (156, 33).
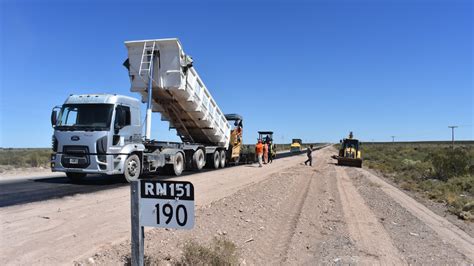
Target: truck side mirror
(54, 118)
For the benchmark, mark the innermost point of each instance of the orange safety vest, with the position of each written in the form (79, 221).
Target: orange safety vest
(259, 148)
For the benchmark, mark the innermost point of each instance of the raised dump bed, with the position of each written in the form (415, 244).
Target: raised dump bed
(178, 94)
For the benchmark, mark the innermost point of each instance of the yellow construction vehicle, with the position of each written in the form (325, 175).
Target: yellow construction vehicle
(349, 153)
(235, 150)
(295, 146)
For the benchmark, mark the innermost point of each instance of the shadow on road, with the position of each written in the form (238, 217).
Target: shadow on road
(90, 180)
(32, 190)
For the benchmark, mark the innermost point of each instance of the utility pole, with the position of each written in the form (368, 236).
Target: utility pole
(452, 134)
(393, 139)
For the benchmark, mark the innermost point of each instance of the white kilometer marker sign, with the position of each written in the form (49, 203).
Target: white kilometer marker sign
(166, 204)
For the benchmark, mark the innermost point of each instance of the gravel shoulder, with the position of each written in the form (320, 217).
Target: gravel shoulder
(439, 208)
(431, 237)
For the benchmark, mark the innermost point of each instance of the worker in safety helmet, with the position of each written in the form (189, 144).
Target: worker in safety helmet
(259, 152)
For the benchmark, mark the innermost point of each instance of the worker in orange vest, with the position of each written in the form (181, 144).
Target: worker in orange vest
(259, 152)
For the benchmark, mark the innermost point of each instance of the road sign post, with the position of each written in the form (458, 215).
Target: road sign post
(138, 233)
(156, 203)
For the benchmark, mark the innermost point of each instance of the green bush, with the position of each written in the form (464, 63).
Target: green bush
(436, 171)
(449, 163)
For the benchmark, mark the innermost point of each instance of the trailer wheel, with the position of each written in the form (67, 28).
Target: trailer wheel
(75, 177)
(132, 168)
(199, 159)
(178, 165)
(215, 160)
(222, 159)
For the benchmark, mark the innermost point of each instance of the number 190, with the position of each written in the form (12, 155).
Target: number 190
(180, 214)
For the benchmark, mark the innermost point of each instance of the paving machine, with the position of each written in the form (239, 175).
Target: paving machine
(267, 139)
(349, 152)
(265, 136)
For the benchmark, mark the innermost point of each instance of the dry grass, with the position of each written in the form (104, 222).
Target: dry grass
(220, 252)
(18, 158)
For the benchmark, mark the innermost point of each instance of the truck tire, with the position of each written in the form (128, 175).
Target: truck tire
(199, 159)
(222, 159)
(178, 164)
(75, 177)
(132, 168)
(215, 160)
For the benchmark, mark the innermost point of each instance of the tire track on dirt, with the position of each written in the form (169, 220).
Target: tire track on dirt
(279, 233)
(367, 233)
(296, 217)
(321, 234)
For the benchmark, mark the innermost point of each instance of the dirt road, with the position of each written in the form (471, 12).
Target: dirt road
(283, 213)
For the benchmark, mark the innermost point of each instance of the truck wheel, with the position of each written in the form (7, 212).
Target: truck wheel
(178, 164)
(199, 159)
(75, 177)
(216, 159)
(132, 168)
(222, 159)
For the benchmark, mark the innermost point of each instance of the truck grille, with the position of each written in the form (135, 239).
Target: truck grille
(75, 157)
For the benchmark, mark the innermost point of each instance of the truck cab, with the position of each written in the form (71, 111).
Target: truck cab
(95, 133)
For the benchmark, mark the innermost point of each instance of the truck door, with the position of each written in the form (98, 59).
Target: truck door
(122, 125)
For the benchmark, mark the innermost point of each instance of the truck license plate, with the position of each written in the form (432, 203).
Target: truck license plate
(73, 161)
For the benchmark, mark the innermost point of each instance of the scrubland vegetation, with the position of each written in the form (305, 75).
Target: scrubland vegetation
(436, 171)
(19, 158)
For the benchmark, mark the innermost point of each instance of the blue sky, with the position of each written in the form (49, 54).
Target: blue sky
(310, 69)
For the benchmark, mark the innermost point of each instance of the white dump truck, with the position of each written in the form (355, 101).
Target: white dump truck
(103, 133)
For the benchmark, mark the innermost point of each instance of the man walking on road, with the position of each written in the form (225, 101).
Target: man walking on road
(309, 152)
(259, 152)
(271, 152)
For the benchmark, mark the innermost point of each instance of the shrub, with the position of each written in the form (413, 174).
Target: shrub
(449, 163)
(221, 252)
(434, 170)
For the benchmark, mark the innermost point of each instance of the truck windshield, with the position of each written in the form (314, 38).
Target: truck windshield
(85, 117)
